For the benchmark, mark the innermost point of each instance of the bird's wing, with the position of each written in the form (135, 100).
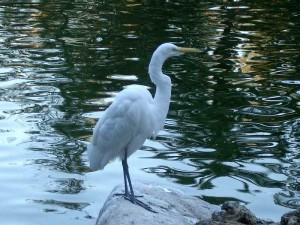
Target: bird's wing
(125, 124)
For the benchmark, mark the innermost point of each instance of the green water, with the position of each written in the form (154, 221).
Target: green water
(233, 130)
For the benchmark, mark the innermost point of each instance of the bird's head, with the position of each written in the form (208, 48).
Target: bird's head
(160, 55)
(168, 50)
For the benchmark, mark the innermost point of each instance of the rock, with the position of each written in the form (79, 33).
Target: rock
(291, 218)
(175, 207)
(234, 214)
(172, 207)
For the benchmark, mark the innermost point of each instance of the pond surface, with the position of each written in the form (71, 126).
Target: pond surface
(233, 130)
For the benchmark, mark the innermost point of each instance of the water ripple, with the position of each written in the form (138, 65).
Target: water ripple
(266, 111)
(232, 131)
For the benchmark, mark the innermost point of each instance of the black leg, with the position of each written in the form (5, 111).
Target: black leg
(133, 200)
(125, 177)
(131, 197)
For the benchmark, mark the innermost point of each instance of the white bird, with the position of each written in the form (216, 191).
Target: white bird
(133, 117)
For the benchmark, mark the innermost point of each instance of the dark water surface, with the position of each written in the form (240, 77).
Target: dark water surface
(233, 130)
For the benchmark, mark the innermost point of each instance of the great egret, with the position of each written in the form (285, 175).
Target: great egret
(133, 117)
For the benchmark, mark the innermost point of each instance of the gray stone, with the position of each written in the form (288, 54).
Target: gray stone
(291, 218)
(235, 214)
(172, 207)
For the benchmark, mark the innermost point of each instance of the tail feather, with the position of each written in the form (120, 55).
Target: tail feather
(97, 159)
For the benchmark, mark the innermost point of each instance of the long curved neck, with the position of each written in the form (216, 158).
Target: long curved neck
(155, 68)
(163, 89)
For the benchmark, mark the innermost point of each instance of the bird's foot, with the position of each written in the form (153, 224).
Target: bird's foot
(128, 196)
(139, 203)
(136, 201)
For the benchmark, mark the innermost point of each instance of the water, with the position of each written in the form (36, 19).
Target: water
(232, 131)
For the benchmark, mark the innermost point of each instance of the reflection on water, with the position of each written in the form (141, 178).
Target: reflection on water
(233, 126)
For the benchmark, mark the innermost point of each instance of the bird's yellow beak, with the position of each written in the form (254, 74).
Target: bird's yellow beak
(188, 50)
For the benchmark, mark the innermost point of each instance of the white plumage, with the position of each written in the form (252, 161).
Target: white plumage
(126, 124)
(133, 117)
